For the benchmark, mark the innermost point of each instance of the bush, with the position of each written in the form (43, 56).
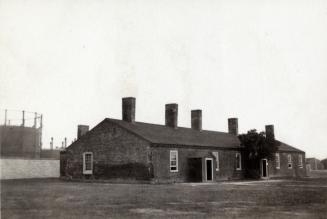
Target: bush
(137, 171)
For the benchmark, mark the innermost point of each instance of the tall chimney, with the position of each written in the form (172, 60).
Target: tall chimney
(35, 119)
(23, 120)
(128, 109)
(270, 133)
(5, 117)
(171, 115)
(196, 119)
(233, 126)
(81, 130)
(51, 143)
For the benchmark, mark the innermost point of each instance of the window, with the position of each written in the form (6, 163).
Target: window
(150, 156)
(238, 161)
(87, 163)
(300, 161)
(216, 155)
(173, 161)
(289, 161)
(277, 159)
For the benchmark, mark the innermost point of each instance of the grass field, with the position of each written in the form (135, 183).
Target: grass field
(305, 198)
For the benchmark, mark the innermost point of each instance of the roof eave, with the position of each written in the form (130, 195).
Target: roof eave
(158, 144)
(129, 130)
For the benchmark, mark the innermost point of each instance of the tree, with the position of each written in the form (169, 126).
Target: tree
(257, 146)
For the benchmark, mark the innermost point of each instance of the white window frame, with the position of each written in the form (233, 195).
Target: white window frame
(216, 155)
(277, 159)
(289, 161)
(170, 160)
(240, 161)
(85, 171)
(300, 161)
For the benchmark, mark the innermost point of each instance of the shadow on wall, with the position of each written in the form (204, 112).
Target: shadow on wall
(137, 171)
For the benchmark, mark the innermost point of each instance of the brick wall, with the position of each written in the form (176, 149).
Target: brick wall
(116, 153)
(284, 171)
(161, 165)
(28, 168)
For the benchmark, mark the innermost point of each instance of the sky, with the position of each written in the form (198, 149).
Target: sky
(261, 61)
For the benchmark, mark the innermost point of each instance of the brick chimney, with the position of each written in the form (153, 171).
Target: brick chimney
(270, 133)
(128, 104)
(196, 119)
(81, 130)
(171, 115)
(233, 126)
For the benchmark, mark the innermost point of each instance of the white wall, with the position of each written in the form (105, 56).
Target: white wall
(28, 168)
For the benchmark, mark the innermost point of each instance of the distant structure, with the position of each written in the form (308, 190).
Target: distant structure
(21, 137)
(314, 163)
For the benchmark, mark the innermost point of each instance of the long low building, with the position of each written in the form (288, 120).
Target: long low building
(314, 164)
(126, 149)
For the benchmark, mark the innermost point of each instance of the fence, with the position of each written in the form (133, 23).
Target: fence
(10, 117)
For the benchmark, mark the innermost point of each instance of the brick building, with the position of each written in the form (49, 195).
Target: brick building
(289, 162)
(314, 163)
(166, 153)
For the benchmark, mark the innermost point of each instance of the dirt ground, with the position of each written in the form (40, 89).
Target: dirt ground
(303, 198)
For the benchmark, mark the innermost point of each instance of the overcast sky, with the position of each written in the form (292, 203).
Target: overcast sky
(264, 62)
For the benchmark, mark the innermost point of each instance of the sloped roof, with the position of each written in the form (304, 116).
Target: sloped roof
(285, 147)
(311, 159)
(161, 134)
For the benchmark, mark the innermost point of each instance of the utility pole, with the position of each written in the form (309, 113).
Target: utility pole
(35, 117)
(51, 143)
(41, 126)
(41, 121)
(5, 117)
